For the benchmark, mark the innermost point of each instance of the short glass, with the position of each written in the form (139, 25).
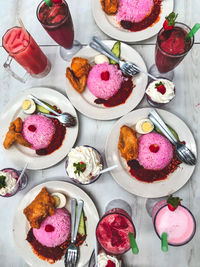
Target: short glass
(30, 57)
(165, 61)
(92, 179)
(92, 261)
(117, 217)
(19, 186)
(61, 31)
(156, 210)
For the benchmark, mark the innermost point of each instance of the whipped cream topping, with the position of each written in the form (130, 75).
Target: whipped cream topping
(85, 155)
(156, 96)
(10, 183)
(102, 260)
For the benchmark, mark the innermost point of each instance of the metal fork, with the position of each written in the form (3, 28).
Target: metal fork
(65, 118)
(126, 67)
(183, 153)
(72, 253)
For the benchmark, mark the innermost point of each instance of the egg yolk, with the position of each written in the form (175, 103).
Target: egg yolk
(147, 127)
(26, 104)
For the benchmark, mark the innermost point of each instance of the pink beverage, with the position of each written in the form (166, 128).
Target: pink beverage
(171, 47)
(57, 21)
(21, 46)
(112, 231)
(179, 225)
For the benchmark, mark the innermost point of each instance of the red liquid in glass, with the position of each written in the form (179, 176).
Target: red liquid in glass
(57, 21)
(112, 231)
(171, 48)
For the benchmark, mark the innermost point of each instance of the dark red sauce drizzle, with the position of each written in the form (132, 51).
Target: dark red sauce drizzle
(150, 176)
(146, 22)
(121, 96)
(51, 254)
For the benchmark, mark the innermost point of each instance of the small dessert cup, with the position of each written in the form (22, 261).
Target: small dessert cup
(93, 178)
(92, 260)
(154, 103)
(18, 186)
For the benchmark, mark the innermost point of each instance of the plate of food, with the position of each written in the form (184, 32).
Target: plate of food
(148, 165)
(29, 136)
(98, 88)
(131, 20)
(42, 224)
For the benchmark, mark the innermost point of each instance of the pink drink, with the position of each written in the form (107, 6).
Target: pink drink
(112, 231)
(171, 47)
(179, 225)
(22, 47)
(57, 22)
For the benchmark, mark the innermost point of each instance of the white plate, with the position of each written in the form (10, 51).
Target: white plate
(19, 154)
(121, 174)
(108, 26)
(21, 225)
(85, 102)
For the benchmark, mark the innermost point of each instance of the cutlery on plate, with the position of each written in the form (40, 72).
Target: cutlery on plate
(183, 152)
(65, 118)
(126, 67)
(72, 252)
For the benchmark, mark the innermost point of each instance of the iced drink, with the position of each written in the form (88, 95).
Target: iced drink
(21, 46)
(179, 225)
(171, 47)
(57, 21)
(112, 231)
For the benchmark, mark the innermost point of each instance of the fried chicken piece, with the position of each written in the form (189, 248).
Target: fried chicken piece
(77, 84)
(10, 138)
(18, 125)
(80, 66)
(82, 83)
(110, 6)
(40, 208)
(128, 143)
(20, 140)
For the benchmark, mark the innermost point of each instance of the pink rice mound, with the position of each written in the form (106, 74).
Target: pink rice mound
(61, 221)
(43, 134)
(134, 10)
(151, 160)
(101, 88)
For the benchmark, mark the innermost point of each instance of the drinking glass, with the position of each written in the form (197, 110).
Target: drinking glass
(171, 48)
(57, 21)
(21, 46)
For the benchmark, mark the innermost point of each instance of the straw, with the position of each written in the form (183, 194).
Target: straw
(48, 2)
(133, 243)
(22, 25)
(109, 169)
(95, 251)
(164, 243)
(192, 32)
(22, 173)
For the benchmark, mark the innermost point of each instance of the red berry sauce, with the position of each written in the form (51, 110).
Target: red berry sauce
(105, 75)
(49, 228)
(32, 128)
(154, 148)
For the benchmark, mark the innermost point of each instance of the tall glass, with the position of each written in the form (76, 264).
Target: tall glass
(21, 46)
(57, 21)
(171, 48)
(180, 225)
(113, 228)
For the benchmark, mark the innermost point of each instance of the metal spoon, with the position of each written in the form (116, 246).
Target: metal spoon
(183, 153)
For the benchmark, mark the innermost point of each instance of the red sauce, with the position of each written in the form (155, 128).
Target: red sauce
(146, 22)
(150, 176)
(56, 141)
(51, 254)
(120, 97)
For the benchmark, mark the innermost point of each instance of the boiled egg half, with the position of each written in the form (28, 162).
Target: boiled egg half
(60, 200)
(144, 126)
(100, 59)
(29, 106)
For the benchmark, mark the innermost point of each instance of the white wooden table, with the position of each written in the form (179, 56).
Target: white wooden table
(187, 77)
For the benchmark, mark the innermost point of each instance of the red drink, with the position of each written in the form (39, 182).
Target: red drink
(57, 21)
(171, 47)
(112, 231)
(23, 48)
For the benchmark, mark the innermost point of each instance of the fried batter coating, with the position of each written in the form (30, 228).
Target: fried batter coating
(110, 6)
(20, 140)
(18, 125)
(77, 84)
(128, 143)
(10, 138)
(40, 208)
(80, 66)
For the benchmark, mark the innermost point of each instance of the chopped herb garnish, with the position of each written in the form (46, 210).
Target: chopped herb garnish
(80, 167)
(2, 181)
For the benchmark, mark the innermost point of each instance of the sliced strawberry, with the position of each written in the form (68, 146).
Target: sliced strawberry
(173, 202)
(105, 75)
(170, 21)
(110, 264)
(160, 88)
